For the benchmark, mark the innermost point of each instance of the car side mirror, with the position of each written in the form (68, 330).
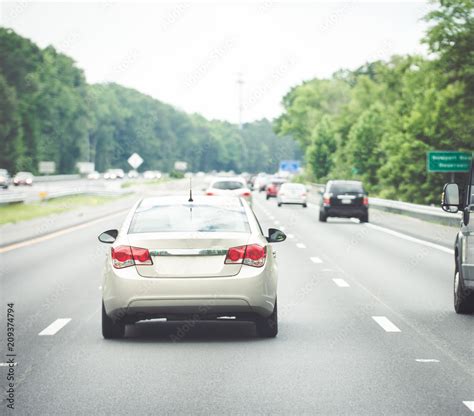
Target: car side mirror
(108, 236)
(451, 199)
(275, 236)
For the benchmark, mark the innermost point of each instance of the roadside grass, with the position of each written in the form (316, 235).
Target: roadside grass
(130, 184)
(20, 212)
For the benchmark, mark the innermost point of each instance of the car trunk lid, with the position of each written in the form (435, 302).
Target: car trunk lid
(188, 254)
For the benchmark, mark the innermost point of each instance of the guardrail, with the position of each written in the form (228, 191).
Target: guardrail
(14, 197)
(54, 178)
(423, 212)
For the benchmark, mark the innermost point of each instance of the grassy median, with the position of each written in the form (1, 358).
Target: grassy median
(20, 212)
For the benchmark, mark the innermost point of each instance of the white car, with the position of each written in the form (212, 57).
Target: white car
(200, 260)
(114, 174)
(94, 175)
(292, 193)
(228, 186)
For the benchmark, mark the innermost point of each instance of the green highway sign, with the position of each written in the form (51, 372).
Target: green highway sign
(446, 161)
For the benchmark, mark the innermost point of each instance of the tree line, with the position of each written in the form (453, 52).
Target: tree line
(50, 113)
(377, 123)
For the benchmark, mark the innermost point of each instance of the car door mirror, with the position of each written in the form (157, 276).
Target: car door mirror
(451, 199)
(108, 236)
(275, 236)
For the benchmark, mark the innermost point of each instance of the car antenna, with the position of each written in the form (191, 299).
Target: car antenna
(190, 190)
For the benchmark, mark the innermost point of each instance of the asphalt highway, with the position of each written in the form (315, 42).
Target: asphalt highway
(367, 327)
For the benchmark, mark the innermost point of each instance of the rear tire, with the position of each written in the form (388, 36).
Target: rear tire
(268, 327)
(463, 300)
(364, 218)
(305, 205)
(322, 217)
(111, 328)
(279, 204)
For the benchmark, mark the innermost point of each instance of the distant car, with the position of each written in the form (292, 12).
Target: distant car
(132, 174)
(346, 199)
(455, 200)
(273, 186)
(23, 178)
(93, 175)
(260, 183)
(152, 174)
(114, 174)
(292, 193)
(228, 186)
(202, 260)
(4, 179)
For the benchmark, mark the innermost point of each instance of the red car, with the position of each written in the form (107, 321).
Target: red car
(273, 187)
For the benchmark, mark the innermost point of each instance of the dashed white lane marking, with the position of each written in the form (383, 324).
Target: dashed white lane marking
(276, 222)
(271, 217)
(408, 238)
(469, 405)
(290, 236)
(327, 270)
(300, 245)
(427, 360)
(386, 324)
(55, 326)
(58, 233)
(282, 228)
(341, 282)
(316, 260)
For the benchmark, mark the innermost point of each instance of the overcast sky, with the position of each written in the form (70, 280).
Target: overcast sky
(190, 54)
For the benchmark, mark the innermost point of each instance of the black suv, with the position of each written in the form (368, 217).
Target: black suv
(345, 199)
(455, 200)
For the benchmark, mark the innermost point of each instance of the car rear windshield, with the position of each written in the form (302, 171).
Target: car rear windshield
(229, 185)
(293, 187)
(346, 187)
(189, 218)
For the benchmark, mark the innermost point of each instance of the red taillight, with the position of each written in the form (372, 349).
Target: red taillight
(246, 194)
(235, 255)
(251, 255)
(209, 193)
(126, 256)
(327, 199)
(366, 201)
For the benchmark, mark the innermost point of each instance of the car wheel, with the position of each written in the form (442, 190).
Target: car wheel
(279, 204)
(268, 327)
(268, 197)
(463, 300)
(305, 205)
(322, 216)
(364, 218)
(111, 328)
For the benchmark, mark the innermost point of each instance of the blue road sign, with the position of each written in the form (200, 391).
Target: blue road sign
(292, 166)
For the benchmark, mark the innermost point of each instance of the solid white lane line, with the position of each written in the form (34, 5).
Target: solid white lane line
(300, 245)
(427, 360)
(386, 324)
(341, 282)
(408, 238)
(55, 326)
(58, 233)
(469, 405)
(316, 260)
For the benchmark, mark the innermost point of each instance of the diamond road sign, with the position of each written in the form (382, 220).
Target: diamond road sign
(445, 161)
(135, 160)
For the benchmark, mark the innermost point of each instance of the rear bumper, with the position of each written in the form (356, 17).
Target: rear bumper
(286, 200)
(345, 211)
(131, 297)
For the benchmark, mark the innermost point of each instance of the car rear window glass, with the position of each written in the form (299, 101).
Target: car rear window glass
(293, 187)
(343, 187)
(189, 218)
(229, 185)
